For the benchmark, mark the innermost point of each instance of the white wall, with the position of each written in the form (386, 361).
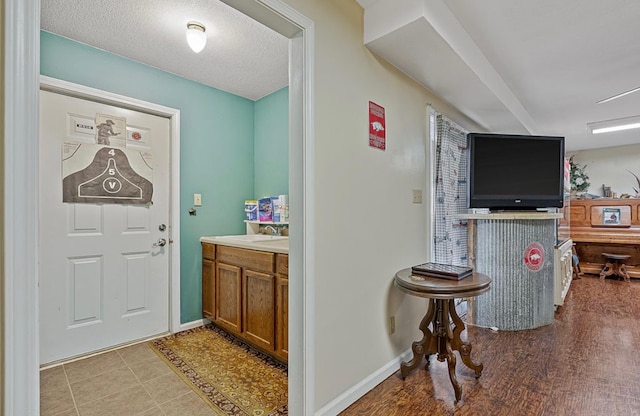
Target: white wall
(367, 227)
(2, 277)
(610, 166)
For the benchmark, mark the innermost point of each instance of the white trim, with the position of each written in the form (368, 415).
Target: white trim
(308, 229)
(193, 324)
(351, 395)
(81, 91)
(302, 202)
(21, 51)
(431, 145)
(174, 232)
(274, 14)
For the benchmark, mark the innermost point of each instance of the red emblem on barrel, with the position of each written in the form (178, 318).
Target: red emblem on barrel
(534, 257)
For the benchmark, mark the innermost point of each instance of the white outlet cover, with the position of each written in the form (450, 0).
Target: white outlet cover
(417, 196)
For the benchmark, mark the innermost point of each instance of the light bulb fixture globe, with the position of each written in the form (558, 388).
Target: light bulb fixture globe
(196, 38)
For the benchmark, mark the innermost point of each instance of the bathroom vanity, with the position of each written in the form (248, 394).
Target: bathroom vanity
(245, 289)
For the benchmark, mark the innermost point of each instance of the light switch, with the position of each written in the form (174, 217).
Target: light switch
(197, 200)
(417, 196)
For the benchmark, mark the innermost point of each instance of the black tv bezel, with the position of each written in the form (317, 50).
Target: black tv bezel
(513, 201)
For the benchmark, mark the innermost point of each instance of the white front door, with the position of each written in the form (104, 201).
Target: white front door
(102, 281)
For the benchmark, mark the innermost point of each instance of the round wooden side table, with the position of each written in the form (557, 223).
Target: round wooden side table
(441, 339)
(615, 266)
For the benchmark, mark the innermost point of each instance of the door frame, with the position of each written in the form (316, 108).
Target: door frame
(18, 280)
(59, 86)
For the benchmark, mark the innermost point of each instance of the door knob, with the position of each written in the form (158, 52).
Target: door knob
(160, 243)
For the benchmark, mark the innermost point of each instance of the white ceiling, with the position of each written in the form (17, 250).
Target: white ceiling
(519, 66)
(242, 56)
(512, 66)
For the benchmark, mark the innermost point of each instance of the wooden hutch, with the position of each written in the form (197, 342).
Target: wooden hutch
(606, 225)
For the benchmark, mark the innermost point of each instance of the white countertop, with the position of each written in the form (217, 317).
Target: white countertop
(261, 242)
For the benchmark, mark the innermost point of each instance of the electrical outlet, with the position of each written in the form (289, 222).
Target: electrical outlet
(417, 196)
(392, 324)
(197, 200)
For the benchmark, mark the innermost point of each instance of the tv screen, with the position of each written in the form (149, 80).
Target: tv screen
(509, 171)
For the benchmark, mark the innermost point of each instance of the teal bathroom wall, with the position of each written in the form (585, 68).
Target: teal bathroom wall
(216, 144)
(272, 144)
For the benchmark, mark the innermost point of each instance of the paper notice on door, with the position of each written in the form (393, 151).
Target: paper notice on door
(110, 130)
(106, 175)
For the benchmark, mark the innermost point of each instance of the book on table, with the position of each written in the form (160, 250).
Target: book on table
(442, 271)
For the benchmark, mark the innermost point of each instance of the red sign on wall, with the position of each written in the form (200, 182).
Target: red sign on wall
(377, 126)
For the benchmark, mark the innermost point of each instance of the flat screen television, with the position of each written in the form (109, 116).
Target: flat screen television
(514, 172)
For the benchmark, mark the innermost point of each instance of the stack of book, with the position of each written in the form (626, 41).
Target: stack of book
(442, 271)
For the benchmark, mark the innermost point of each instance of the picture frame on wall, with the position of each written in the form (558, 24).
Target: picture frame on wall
(611, 216)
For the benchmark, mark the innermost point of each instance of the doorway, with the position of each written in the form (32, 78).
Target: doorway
(21, 271)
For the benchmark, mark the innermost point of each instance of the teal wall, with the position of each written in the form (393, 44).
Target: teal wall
(216, 144)
(271, 166)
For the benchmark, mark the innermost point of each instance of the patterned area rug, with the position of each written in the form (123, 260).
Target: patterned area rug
(234, 378)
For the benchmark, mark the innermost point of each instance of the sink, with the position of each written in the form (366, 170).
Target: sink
(275, 243)
(251, 238)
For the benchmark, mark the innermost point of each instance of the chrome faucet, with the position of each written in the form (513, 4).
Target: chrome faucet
(273, 230)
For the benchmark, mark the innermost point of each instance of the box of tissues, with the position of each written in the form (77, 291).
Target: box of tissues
(265, 209)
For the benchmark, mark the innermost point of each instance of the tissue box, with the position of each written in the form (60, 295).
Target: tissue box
(265, 209)
(251, 209)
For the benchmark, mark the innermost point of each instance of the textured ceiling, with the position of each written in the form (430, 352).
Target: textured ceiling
(513, 66)
(242, 56)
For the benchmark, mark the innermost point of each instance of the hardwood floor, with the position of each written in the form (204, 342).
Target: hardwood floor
(584, 364)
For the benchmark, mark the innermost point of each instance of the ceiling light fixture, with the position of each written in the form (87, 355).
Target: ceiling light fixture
(196, 38)
(622, 94)
(619, 124)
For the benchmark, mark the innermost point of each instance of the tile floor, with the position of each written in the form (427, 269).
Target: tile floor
(125, 382)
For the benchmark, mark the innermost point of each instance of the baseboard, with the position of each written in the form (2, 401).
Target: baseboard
(350, 396)
(194, 324)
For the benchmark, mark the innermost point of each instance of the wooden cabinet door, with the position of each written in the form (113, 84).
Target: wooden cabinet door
(229, 297)
(208, 289)
(259, 309)
(282, 317)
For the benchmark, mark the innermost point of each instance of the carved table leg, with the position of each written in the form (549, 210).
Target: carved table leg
(425, 345)
(443, 341)
(446, 337)
(441, 329)
(464, 348)
(622, 271)
(606, 271)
